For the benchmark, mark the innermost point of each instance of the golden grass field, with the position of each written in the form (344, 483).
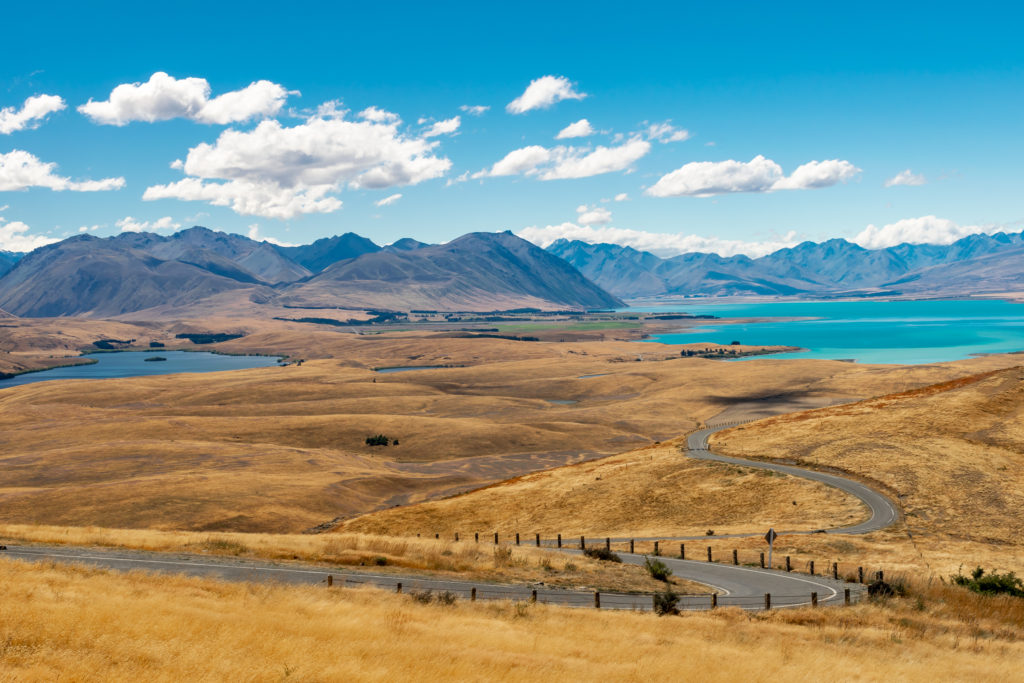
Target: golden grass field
(77, 624)
(282, 449)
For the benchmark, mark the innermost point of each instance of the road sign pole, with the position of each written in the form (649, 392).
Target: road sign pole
(770, 537)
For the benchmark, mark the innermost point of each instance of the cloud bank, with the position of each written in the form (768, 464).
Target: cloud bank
(20, 170)
(14, 237)
(558, 163)
(709, 178)
(923, 230)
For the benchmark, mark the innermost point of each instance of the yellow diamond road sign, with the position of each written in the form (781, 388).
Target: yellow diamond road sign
(770, 536)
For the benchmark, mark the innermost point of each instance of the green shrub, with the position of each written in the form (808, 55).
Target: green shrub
(666, 602)
(992, 583)
(378, 440)
(601, 553)
(380, 561)
(657, 569)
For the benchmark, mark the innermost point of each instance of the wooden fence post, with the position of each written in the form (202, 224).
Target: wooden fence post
(879, 575)
(330, 580)
(789, 566)
(860, 574)
(533, 595)
(437, 537)
(714, 600)
(537, 539)
(476, 537)
(656, 550)
(456, 536)
(835, 571)
(559, 540)
(472, 594)
(517, 538)
(682, 551)
(814, 599)
(398, 588)
(583, 543)
(767, 600)
(631, 549)
(846, 596)
(709, 553)
(812, 567)
(735, 556)
(607, 544)
(762, 560)
(495, 538)
(597, 600)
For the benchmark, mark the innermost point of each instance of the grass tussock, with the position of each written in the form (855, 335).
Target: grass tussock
(83, 624)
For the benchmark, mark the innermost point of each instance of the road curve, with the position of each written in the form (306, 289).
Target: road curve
(744, 587)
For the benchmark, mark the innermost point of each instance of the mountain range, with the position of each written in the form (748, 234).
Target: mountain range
(975, 264)
(133, 272)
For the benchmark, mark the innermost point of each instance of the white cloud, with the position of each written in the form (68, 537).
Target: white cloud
(574, 162)
(818, 174)
(474, 109)
(279, 172)
(374, 114)
(164, 97)
(89, 228)
(14, 237)
(567, 162)
(666, 132)
(518, 161)
(923, 230)
(20, 170)
(708, 178)
(129, 224)
(254, 234)
(31, 114)
(596, 215)
(544, 92)
(445, 127)
(621, 197)
(660, 244)
(905, 177)
(580, 129)
(388, 201)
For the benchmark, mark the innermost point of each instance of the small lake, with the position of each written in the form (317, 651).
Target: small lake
(905, 332)
(134, 364)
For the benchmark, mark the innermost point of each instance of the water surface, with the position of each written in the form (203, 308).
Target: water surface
(134, 364)
(906, 332)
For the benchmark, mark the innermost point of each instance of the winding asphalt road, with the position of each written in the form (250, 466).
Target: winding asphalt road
(739, 586)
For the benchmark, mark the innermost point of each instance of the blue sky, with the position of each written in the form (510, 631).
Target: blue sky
(867, 92)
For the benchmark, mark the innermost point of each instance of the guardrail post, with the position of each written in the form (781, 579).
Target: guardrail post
(682, 551)
(472, 594)
(495, 538)
(533, 595)
(762, 560)
(735, 556)
(537, 539)
(559, 540)
(437, 537)
(456, 536)
(476, 537)
(709, 553)
(330, 580)
(656, 550)
(583, 543)
(597, 600)
(714, 600)
(814, 599)
(835, 571)
(879, 575)
(607, 544)
(517, 538)
(812, 567)
(767, 601)
(789, 566)
(398, 588)
(631, 550)
(860, 574)
(846, 596)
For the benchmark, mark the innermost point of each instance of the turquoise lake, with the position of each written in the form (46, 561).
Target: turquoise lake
(909, 332)
(134, 364)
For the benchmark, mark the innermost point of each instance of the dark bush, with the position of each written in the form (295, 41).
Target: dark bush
(378, 440)
(658, 570)
(156, 345)
(990, 584)
(380, 561)
(601, 553)
(666, 602)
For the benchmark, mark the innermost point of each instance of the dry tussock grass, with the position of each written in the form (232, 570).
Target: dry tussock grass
(465, 559)
(81, 624)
